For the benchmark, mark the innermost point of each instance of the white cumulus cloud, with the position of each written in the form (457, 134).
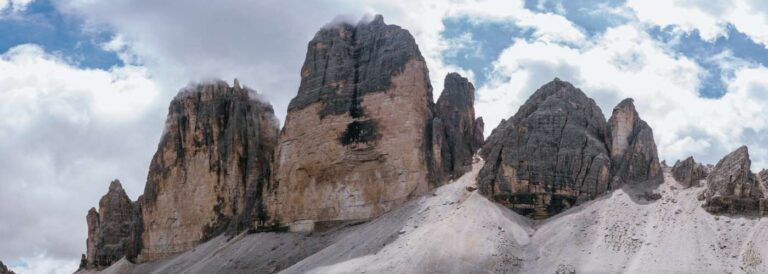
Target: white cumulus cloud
(65, 132)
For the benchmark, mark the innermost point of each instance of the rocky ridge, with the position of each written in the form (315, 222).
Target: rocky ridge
(689, 173)
(206, 178)
(209, 171)
(362, 136)
(630, 141)
(4, 269)
(114, 231)
(558, 151)
(458, 231)
(732, 188)
(363, 139)
(550, 155)
(458, 133)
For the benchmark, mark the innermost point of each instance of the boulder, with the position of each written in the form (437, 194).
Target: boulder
(634, 158)
(461, 132)
(688, 173)
(550, 155)
(358, 136)
(210, 169)
(113, 230)
(732, 188)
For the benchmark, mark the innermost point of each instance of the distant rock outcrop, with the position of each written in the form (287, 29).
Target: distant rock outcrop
(114, 230)
(210, 168)
(549, 156)
(461, 132)
(357, 139)
(4, 269)
(630, 141)
(732, 188)
(688, 173)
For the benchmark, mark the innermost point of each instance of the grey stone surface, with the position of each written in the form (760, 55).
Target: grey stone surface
(212, 163)
(461, 132)
(361, 136)
(634, 158)
(550, 155)
(4, 269)
(113, 230)
(732, 188)
(344, 62)
(688, 173)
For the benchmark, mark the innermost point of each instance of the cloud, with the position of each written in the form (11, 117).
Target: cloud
(709, 18)
(264, 42)
(14, 5)
(66, 133)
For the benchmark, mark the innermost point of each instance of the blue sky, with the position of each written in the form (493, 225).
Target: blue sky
(40, 23)
(84, 84)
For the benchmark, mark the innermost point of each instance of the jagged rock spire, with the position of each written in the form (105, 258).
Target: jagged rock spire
(634, 158)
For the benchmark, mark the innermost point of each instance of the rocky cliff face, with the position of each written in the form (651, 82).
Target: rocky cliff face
(550, 155)
(688, 173)
(4, 269)
(113, 231)
(732, 188)
(460, 133)
(357, 139)
(208, 173)
(630, 141)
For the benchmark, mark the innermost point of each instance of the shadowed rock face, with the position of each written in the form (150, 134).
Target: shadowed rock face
(358, 137)
(550, 155)
(462, 134)
(345, 62)
(732, 188)
(113, 230)
(208, 173)
(630, 141)
(4, 269)
(688, 173)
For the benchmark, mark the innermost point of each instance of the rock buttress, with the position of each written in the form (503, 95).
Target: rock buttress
(688, 173)
(462, 134)
(208, 173)
(550, 155)
(732, 188)
(358, 137)
(112, 229)
(634, 158)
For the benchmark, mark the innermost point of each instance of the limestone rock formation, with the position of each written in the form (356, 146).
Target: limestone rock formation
(630, 141)
(461, 132)
(550, 155)
(496, 137)
(4, 269)
(210, 168)
(688, 173)
(357, 139)
(113, 231)
(732, 187)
